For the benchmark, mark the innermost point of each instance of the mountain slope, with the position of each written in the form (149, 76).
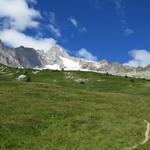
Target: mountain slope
(67, 110)
(57, 59)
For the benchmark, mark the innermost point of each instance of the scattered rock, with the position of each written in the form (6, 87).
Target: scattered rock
(68, 75)
(22, 76)
(35, 72)
(100, 80)
(81, 80)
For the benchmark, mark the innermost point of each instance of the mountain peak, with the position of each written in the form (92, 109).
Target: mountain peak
(103, 62)
(57, 58)
(57, 51)
(21, 46)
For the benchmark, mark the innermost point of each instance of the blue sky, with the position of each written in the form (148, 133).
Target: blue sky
(116, 30)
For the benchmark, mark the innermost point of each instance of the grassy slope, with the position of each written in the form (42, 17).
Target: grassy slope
(55, 113)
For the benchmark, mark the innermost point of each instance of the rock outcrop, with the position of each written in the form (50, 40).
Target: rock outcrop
(57, 58)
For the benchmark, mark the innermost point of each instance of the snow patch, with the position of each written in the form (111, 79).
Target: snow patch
(35, 72)
(70, 64)
(81, 80)
(52, 67)
(68, 75)
(22, 76)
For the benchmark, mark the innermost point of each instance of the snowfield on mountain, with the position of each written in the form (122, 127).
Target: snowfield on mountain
(57, 59)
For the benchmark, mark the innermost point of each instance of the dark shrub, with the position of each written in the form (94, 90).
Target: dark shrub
(28, 79)
(81, 82)
(132, 80)
(107, 73)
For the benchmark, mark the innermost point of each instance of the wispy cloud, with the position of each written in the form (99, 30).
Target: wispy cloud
(55, 31)
(79, 29)
(83, 29)
(128, 32)
(96, 4)
(118, 4)
(53, 25)
(73, 21)
(52, 17)
(83, 53)
(140, 58)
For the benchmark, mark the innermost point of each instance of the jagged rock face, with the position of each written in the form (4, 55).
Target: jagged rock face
(8, 57)
(20, 57)
(28, 57)
(54, 56)
(58, 58)
(147, 68)
(1, 45)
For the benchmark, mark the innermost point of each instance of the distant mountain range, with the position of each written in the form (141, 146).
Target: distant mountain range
(57, 59)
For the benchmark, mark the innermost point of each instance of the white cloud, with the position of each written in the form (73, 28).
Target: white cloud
(55, 31)
(128, 32)
(16, 38)
(140, 58)
(73, 21)
(19, 15)
(16, 16)
(83, 53)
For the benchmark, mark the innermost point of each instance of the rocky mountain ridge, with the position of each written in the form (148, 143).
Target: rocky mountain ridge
(57, 59)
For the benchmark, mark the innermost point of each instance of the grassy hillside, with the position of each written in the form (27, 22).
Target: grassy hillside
(51, 110)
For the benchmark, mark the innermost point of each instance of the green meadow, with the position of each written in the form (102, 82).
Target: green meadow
(72, 110)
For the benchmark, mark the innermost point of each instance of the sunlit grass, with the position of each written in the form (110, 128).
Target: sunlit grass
(54, 112)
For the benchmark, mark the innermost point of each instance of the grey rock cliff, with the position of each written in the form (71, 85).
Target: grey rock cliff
(57, 57)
